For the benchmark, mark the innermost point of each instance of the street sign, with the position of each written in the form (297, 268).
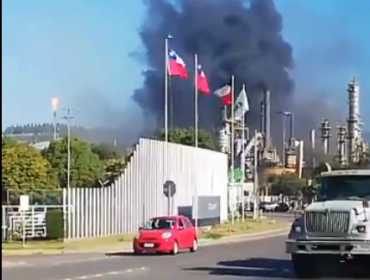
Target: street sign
(237, 175)
(24, 203)
(169, 188)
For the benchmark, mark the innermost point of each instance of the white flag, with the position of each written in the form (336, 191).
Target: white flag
(241, 105)
(225, 94)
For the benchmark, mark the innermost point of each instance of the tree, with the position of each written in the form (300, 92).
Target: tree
(186, 137)
(286, 184)
(24, 169)
(107, 151)
(86, 168)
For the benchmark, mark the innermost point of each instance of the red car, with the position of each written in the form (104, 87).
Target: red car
(166, 234)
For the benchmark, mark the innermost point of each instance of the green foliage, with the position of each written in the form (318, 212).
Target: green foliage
(287, 184)
(107, 151)
(54, 224)
(186, 136)
(86, 168)
(24, 169)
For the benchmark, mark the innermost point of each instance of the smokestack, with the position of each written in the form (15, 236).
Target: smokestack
(291, 128)
(262, 117)
(267, 120)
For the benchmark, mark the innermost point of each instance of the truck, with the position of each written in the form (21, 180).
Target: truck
(335, 228)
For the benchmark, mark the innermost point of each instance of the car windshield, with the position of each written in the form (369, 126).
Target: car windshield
(348, 187)
(160, 223)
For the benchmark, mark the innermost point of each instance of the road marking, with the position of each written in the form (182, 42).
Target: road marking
(106, 274)
(6, 264)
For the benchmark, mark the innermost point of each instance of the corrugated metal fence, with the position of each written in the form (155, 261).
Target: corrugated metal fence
(138, 194)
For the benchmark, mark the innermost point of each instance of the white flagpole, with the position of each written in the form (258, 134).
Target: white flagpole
(242, 162)
(196, 133)
(255, 175)
(196, 116)
(232, 147)
(166, 89)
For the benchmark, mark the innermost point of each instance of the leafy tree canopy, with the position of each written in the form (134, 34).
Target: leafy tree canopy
(86, 167)
(24, 169)
(107, 151)
(186, 136)
(286, 184)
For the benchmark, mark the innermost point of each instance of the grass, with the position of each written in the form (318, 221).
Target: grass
(68, 245)
(238, 227)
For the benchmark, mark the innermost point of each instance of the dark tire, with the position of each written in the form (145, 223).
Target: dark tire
(194, 248)
(304, 266)
(137, 252)
(175, 248)
(363, 263)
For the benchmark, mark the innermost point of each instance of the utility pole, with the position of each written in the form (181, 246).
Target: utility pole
(68, 117)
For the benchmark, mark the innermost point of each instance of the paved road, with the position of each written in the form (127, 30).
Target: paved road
(286, 216)
(262, 259)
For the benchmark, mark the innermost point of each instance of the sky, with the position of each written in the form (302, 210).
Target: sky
(78, 50)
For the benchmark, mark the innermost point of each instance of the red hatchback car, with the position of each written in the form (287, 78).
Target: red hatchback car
(166, 234)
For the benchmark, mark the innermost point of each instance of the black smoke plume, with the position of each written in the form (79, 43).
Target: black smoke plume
(231, 37)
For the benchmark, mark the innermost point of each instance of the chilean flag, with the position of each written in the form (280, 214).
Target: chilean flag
(225, 94)
(176, 66)
(202, 81)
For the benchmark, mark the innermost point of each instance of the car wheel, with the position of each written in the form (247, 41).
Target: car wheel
(175, 248)
(194, 247)
(136, 252)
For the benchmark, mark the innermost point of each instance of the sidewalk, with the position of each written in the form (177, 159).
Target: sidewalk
(127, 247)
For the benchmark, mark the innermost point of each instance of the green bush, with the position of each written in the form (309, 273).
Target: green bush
(54, 224)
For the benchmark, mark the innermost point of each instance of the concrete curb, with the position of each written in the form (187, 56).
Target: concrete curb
(126, 247)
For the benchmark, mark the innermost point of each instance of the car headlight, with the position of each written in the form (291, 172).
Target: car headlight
(296, 229)
(166, 235)
(360, 229)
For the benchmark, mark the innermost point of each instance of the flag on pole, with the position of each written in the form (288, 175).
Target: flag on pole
(202, 81)
(225, 94)
(241, 105)
(176, 65)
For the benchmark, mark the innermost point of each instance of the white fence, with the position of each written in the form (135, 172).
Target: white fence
(17, 224)
(138, 194)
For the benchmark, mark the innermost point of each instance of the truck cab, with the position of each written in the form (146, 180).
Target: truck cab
(336, 227)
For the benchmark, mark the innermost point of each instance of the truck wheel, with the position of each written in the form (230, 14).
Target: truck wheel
(364, 262)
(304, 266)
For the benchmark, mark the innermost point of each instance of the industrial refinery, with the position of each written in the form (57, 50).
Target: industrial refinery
(351, 146)
(249, 148)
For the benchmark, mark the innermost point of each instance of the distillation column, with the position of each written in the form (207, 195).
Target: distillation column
(313, 147)
(291, 149)
(341, 144)
(353, 121)
(325, 135)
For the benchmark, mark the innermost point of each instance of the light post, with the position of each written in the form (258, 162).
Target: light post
(68, 117)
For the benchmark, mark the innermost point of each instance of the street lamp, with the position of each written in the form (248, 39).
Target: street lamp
(68, 117)
(284, 115)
